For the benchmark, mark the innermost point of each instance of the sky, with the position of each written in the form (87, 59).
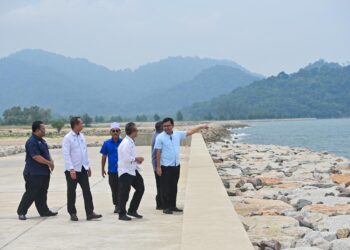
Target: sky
(266, 37)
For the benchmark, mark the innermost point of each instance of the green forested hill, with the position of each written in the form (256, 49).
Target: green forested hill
(72, 85)
(320, 90)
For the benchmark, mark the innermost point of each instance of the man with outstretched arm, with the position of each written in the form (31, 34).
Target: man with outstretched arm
(168, 161)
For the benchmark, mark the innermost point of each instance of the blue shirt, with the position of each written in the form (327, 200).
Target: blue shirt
(170, 147)
(36, 146)
(110, 149)
(154, 152)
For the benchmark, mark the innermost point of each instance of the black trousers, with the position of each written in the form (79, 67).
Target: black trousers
(159, 192)
(126, 181)
(36, 191)
(113, 183)
(168, 181)
(83, 180)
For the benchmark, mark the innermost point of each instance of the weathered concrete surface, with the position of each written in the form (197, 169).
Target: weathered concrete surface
(155, 231)
(210, 221)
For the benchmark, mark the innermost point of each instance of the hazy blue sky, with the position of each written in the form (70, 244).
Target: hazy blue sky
(264, 36)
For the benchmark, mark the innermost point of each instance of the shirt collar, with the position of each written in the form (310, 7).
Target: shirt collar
(119, 139)
(37, 137)
(74, 133)
(172, 132)
(129, 138)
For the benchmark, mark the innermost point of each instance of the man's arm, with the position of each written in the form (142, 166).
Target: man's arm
(41, 160)
(66, 154)
(34, 152)
(158, 169)
(103, 164)
(67, 159)
(87, 163)
(194, 130)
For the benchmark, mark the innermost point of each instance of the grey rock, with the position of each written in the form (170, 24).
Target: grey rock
(322, 185)
(247, 187)
(333, 223)
(270, 245)
(329, 236)
(308, 239)
(303, 248)
(302, 203)
(341, 244)
(321, 243)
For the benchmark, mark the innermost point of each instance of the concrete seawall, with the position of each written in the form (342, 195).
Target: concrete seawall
(210, 221)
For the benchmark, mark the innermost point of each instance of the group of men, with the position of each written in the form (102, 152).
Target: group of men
(123, 169)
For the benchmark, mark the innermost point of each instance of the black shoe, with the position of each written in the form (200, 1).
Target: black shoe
(159, 207)
(22, 217)
(49, 214)
(124, 217)
(116, 209)
(135, 214)
(93, 216)
(175, 209)
(167, 211)
(74, 217)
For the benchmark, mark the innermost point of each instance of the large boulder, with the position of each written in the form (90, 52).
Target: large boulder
(341, 244)
(280, 228)
(337, 209)
(249, 206)
(333, 223)
(341, 178)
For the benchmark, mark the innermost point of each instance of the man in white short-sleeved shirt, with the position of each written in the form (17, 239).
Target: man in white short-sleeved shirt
(129, 176)
(168, 161)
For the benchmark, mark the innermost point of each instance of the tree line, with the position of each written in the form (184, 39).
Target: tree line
(25, 116)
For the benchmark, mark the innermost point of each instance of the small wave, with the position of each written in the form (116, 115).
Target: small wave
(238, 136)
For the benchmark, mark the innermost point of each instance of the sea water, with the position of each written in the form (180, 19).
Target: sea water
(332, 135)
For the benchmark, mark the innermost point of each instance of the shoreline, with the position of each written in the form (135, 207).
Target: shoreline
(287, 197)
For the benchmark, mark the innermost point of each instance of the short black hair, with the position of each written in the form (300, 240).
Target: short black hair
(74, 120)
(168, 119)
(129, 128)
(159, 126)
(36, 125)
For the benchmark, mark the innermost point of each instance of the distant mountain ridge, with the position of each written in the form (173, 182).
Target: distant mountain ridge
(320, 90)
(211, 82)
(73, 85)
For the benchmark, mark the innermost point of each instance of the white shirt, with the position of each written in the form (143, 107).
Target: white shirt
(75, 152)
(126, 157)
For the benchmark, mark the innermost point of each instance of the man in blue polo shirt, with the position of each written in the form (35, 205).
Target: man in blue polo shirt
(110, 150)
(37, 170)
(168, 161)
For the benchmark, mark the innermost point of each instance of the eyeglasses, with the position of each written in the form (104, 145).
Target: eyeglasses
(115, 130)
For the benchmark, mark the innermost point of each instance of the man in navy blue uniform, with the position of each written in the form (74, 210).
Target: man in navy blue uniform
(110, 150)
(38, 168)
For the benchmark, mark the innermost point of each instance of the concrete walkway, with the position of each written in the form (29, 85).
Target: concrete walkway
(155, 231)
(209, 220)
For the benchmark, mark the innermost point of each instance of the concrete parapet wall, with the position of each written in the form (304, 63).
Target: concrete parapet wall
(210, 221)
